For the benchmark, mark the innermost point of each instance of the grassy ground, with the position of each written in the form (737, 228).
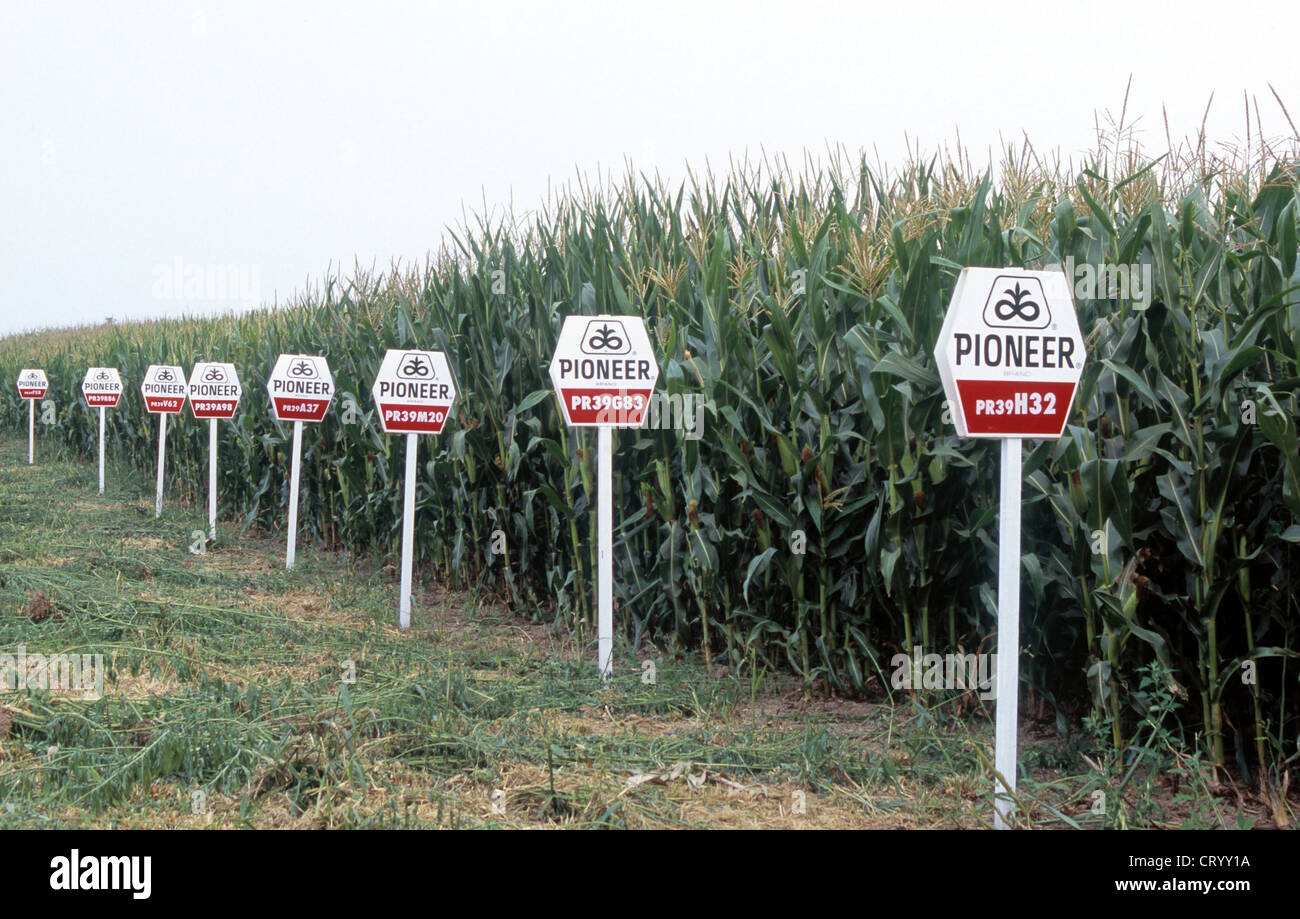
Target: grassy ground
(240, 694)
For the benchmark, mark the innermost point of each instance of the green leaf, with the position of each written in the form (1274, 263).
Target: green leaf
(532, 399)
(757, 565)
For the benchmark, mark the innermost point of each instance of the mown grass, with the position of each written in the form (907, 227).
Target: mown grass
(226, 677)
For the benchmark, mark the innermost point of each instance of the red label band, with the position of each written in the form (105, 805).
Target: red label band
(413, 419)
(106, 399)
(31, 393)
(163, 406)
(213, 408)
(623, 408)
(291, 409)
(1011, 408)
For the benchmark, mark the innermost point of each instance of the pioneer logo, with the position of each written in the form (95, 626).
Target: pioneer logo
(606, 336)
(103, 872)
(416, 366)
(1017, 302)
(303, 369)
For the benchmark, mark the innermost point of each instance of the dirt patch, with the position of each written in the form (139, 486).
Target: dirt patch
(233, 558)
(87, 507)
(543, 639)
(681, 795)
(603, 725)
(142, 732)
(304, 671)
(781, 704)
(773, 707)
(301, 605)
(150, 543)
(40, 607)
(496, 624)
(144, 685)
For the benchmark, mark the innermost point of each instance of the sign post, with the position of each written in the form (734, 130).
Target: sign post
(102, 388)
(1010, 355)
(163, 389)
(414, 392)
(604, 372)
(214, 392)
(301, 388)
(32, 385)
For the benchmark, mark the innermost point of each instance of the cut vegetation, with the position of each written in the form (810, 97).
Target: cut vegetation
(239, 694)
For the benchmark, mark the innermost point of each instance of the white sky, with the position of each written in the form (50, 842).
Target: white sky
(288, 136)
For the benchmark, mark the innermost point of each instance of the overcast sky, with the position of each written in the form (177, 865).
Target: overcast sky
(139, 140)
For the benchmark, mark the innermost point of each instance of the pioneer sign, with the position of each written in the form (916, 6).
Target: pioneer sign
(414, 392)
(32, 384)
(1010, 353)
(102, 387)
(163, 389)
(301, 387)
(604, 371)
(214, 390)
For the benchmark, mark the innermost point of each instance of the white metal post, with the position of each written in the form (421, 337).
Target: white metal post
(408, 530)
(293, 493)
(31, 431)
(212, 478)
(1008, 678)
(101, 449)
(605, 551)
(162, 460)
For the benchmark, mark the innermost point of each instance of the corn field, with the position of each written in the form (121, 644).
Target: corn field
(826, 517)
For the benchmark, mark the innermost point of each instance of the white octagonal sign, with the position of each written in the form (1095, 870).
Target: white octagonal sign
(102, 387)
(301, 387)
(163, 388)
(32, 384)
(1010, 353)
(414, 392)
(604, 371)
(214, 390)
